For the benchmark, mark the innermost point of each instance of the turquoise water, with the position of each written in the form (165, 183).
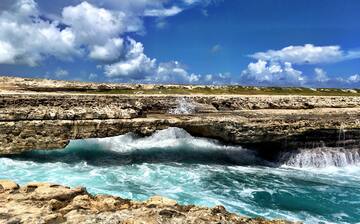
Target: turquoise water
(199, 171)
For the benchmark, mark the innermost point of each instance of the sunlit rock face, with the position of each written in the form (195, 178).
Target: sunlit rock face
(34, 118)
(51, 203)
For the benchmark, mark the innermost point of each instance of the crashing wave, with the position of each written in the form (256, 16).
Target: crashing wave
(321, 157)
(183, 106)
(168, 145)
(177, 145)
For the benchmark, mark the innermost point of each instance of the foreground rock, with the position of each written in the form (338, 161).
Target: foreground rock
(51, 203)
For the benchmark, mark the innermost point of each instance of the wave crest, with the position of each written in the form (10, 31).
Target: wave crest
(168, 145)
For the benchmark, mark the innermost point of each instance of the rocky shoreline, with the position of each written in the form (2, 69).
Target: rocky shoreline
(52, 204)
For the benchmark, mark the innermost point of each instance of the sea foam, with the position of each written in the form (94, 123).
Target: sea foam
(199, 171)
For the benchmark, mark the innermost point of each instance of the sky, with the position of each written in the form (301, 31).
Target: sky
(245, 42)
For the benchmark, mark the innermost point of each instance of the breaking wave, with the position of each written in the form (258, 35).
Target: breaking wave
(169, 145)
(176, 145)
(205, 172)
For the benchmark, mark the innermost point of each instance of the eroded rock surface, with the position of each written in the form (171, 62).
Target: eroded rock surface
(47, 120)
(52, 203)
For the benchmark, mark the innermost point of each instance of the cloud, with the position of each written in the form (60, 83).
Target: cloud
(354, 79)
(320, 75)
(85, 29)
(93, 76)
(133, 7)
(161, 23)
(93, 25)
(112, 50)
(216, 48)
(61, 73)
(135, 65)
(174, 72)
(189, 2)
(275, 67)
(321, 79)
(203, 2)
(205, 12)
(274, 73)
(163, 12)
(138, 67)
(27, 39)
(7, 53)
(307, 54)
(100, 30)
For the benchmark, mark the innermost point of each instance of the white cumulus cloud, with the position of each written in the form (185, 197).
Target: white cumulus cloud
(61, 73)
(273, 73)
(135, 65)
(27, 39)
(320, 75)
(307, 54)
(87, 29)
(174, 72)
(94, 25)
(112, 50)
(354, 79)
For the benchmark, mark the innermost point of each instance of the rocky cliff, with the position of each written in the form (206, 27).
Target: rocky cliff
(34, 118)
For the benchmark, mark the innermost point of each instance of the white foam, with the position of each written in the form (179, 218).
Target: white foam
(184, 106)
(322, 157)
(167, 139)
(236, 187)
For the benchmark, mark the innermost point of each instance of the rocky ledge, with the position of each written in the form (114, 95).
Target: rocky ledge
(45, 114)
(52, 203)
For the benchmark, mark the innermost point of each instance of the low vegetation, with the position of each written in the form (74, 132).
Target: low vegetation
(229, 90)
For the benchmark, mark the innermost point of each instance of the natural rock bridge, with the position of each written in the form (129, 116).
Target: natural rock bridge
(47, 120)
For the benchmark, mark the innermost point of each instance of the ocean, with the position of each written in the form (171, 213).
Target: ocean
(313, 186)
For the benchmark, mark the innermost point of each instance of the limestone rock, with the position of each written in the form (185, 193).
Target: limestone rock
(50, 203)
(47, 114)
(160, 201)
(8, 185)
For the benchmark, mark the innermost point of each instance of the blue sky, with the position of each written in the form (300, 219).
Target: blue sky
(248, 42)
